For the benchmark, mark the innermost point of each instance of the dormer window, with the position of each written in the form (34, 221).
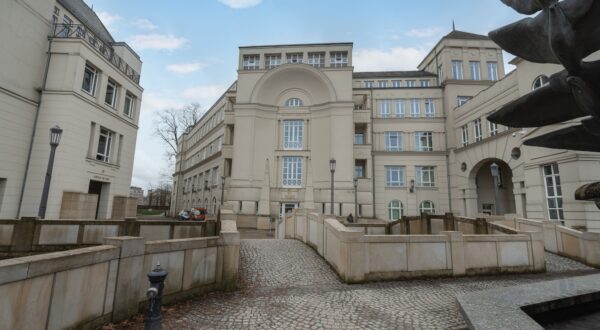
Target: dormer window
(294, 102)
(339, 59)
(251, 62)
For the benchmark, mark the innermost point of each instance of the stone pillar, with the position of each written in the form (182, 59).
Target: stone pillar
(229, 258)
(537, 250)
(23, 235)
(481, 226)
(131, 277)
(457, 251)
(591, 248)
(449, 222)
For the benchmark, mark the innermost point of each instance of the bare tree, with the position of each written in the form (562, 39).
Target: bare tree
(173, 122)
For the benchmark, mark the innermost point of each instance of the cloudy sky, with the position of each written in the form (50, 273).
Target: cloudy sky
(190, 47)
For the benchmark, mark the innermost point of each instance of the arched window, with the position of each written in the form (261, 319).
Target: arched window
(294, 102)
(205, 204)
(395, 210)
(539, 82)
(427, 207)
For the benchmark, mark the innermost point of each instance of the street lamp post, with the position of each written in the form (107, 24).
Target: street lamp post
(356, 199)
(496, 175)
(55, 134)
(332, 169)
(222, 188)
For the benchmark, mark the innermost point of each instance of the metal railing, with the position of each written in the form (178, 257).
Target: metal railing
(80, 31)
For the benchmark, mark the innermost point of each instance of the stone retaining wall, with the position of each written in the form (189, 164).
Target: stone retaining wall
(358, 257)
(91, 286)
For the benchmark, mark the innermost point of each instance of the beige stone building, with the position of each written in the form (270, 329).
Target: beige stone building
(62, 67)
(417, 141)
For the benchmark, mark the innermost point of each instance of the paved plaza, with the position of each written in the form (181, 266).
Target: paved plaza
(286, 285)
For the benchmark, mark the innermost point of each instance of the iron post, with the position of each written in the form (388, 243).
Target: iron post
(55, 135)
(157, 283)
(332, 169)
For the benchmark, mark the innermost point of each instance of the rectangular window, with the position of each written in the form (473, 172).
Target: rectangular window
(368, 84)
(425, 176)
(461, 100)
(359, 168)
(384, 108)
(429, 108)
(396, 83)
(293, 131)
(359, 138)
(251, 62)
(104, 145)
(415, 108)
(294, 58)
(411, 83)
(292, 172)
(382, 83)
(129, 105)
(424, 83)
(272, 61)
(394, 176)
(339, 59)
(554, 196)
(492, 68)
(493, 128)
(475, 70)
(316, 59)
(400, 108)
(90, 77)
(457, 70)
(393, 141)
(465, 135)
(111, 93)
(424, 141)
(477, 130)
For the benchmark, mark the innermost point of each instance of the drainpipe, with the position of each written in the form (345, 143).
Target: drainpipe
(35, 122)
(373, 156)
(447, 114)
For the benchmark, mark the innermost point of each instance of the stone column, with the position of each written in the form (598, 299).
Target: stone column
(591, 248)
(457, 251)
(228, 256)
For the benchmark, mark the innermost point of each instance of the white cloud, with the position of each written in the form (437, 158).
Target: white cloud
(157, 41)
(153, 102)
(108, 19)
(238, 4)
(397, 58)
(183, 68)
(144, 24)
(424, 33)
(206, 94)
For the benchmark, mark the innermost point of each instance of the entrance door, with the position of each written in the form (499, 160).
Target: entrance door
(287, 207)
(96, 189)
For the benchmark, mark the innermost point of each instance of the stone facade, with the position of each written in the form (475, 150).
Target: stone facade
(64, 68)
(294, 107)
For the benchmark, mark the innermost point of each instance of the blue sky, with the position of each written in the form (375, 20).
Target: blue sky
(190, 48)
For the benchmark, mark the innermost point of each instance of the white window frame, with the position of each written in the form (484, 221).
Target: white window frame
(411, 83)
(427, 207)
(393, 207)
(415, 108)
(425, 176)
(477, 131)
(553, 192)
(385, 106)
(475, 68)
(423, 141)
(294, 102)
(316, 59)
(93, 81)
(492, 68)
(129, 105)
(360, 174)
(461, 100)
(382, 83)
(400, 108)
(272, 61)
(338, 59)
(396, 83)
(293, 134)
(539, 82)
(294, 58)
(368, 83)
(393, 141)
(394, 176)
(103, 154)
(291, 173)
(429, 108)
(465, 135)
(492, 128)
(457, 70)
(251, 62)
(424, 83)
(113, 101)
(359, 138)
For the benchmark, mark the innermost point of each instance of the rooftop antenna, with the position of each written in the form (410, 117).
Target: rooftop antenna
(453, 26)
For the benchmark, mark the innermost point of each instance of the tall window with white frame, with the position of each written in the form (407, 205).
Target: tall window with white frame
(395, 210)
(272, 61)
(393, 141)
(554, 196)
(427, 207)
(90, 78)
(492, 68)
(251, 62)
(400, 108)
(429, 108)
(492, 128)
(425, 176)
(129, 105)
(339, 59)
(415, 108)
(111, 93)
(291, 172)
(424, 141)
(384, 108)
(465, 135)
(316, 59)
(457, 70)
(475, 70)
(477, 132)
(105, 141)
(394, 176)
(293, 131)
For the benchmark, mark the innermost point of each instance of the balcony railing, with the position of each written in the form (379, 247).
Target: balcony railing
(79, 31)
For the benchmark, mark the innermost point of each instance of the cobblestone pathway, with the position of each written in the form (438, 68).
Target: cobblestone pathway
(286, 285)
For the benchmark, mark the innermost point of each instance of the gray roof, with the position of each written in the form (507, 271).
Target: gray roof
(302, 45)
(456, 34)
(88, 17)
(392, 74)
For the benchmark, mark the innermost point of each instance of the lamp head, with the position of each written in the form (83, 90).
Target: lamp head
(494, 168)
(55, 134)
(332, 165)
(355, 182)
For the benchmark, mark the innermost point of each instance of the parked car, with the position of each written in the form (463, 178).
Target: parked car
(184, 215)
(198, 213)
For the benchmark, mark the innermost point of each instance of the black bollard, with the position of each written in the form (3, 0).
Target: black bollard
(157, 283)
